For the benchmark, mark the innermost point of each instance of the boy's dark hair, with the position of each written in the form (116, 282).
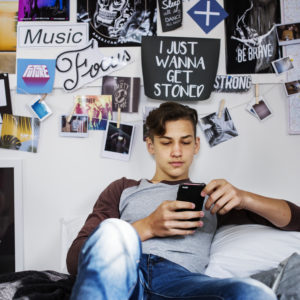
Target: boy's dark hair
(169, 111)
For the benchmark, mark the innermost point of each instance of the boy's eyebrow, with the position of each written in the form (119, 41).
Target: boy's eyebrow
(169, 138)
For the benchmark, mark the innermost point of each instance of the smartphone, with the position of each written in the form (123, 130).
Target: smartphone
(191, 192)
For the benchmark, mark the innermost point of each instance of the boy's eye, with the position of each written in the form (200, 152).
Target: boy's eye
(166, 143)
(186, 143)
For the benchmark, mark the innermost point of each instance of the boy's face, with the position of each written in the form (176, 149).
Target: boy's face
(174, 151)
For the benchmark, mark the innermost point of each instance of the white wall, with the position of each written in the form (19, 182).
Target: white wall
(66, 176)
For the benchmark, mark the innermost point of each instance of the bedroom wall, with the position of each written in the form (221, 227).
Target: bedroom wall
(66, 176)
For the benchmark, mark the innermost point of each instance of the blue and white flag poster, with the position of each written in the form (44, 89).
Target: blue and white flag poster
(35, 76)
(207, 14)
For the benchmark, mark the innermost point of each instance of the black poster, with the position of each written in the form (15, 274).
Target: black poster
(170, 14)
(251, 41)
(178, 68)
(118, 23)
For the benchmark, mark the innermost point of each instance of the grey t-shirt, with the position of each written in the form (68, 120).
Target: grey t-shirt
(191, 251)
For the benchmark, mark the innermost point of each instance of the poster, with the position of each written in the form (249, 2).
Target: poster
(8, 34)
(5, 97)
(43, 10)
(118, 23)
(20, 133)
(251, 40)
(125, 92)
(35, 76)
(170, 14)
(179, 68)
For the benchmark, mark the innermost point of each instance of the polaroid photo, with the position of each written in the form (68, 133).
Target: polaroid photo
(288, 34)
(118, 141)
(218, 129)
(292, 87)
(40, 108)
(260, 110)
(282, 65)
(77, 126)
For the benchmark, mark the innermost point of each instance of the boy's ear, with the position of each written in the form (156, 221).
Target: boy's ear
(197, 145)
(150, 146)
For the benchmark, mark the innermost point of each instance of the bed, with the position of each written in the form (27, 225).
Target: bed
(266, 254)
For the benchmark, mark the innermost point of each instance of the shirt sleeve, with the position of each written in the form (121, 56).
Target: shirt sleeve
(241, 217)
(294, 224)
(107, 206)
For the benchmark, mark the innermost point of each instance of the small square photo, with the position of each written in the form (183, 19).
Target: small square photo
(76, 126)
(261, 110)
(282, 65)
(118, 141)
(218, 130)
(40, 108)
(292, 87)
(288, 34)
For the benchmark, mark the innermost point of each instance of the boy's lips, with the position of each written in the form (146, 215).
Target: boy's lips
(176, 163)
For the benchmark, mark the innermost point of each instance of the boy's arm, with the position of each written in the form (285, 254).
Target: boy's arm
(107, 206)
(223, 197)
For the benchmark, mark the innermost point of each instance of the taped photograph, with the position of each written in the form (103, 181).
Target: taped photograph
(282, 65)
(292, 87)
(288, 34)
(39, 108)
(118, 141)
(76, 126)
(260, 110)
(20, 133)
(218, 129)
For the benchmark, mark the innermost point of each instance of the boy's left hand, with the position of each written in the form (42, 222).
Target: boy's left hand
(223, 197)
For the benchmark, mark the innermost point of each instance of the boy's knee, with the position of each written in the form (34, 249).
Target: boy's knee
(114, 235)
(251, 289)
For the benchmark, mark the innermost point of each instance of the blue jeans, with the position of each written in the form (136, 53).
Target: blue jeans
(112, 267)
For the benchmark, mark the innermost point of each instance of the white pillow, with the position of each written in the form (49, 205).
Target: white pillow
(240, 251)
(70, 227)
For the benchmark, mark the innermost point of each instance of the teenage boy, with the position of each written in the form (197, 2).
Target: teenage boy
(139, 244)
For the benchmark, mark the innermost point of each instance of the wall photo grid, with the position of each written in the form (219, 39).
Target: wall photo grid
(174, 68)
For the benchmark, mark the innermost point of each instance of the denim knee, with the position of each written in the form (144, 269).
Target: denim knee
(113, 236)
(249, 289)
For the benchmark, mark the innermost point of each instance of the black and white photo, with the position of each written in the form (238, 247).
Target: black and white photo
(118, 141)
(218, 129)
(118, 23)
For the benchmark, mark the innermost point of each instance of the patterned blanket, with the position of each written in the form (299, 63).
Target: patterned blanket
(51, 285)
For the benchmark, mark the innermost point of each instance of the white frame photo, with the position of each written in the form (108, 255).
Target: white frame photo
(16, 164)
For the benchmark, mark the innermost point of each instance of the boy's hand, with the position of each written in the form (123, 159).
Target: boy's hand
(223, 197)
(166, 220)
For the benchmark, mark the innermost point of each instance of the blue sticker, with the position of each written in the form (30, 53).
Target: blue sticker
(35, 76)
(207, 14)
